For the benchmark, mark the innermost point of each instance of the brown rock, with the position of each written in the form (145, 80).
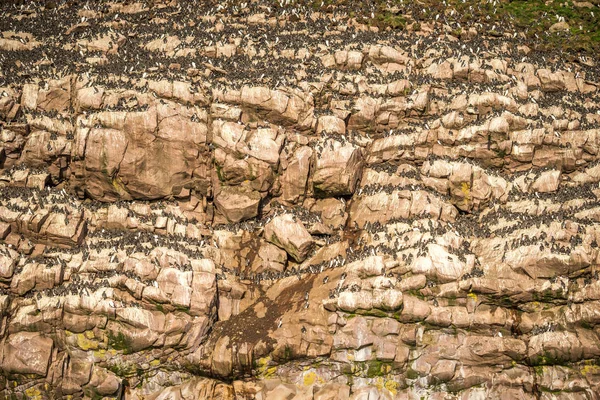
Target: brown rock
(237, 204)
(221, 363)
(332, 391)
(284, 232)
(294, 179)
(27, 353)
(126, 158)
(559, 26)
(548, 181)
(270, 258)
(337, 169)
(103, 382)
(331, 124)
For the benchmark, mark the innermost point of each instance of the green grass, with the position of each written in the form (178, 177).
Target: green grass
(119, 341)
(531, 17)
(535, 18)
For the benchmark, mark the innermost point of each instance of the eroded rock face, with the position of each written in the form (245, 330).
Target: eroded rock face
(26, 353)
(259, 202)
(289, 235)
(237, 205)
(122, 154)
(337, 170)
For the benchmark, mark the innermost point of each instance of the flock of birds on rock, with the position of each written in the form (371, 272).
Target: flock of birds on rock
(239, 70)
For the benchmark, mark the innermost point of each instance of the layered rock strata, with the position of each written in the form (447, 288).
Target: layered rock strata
(259, 202)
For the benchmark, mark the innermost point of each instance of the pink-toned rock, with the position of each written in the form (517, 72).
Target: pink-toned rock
(126, 158)
(440, 264)
(548, 181)
(284, 232)
(108, 44)
(103, 382)
(270, 258)
(295, 177)
(364, 112)
(221, 362)
(90, 98)
(27, 353)
(332, 391)
(196, 388)
(38, 276)
(4, 230)
(332, 211)
(166, 45)
(387, 55)
(441, 71)
(337, 169)
(331, 124)
(17, 41)
(237, 204)
(57, 96)
(389, 148)
(551, 82)
(560, 346)
(176, 285)
(29, 96)
(443, 370)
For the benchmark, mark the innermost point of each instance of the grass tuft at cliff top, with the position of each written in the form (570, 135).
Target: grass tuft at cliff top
(533, 18)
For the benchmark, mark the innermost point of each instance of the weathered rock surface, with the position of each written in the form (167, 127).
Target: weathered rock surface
(290, 235)
(206, 201)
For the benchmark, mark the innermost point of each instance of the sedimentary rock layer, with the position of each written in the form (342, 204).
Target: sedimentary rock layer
(260, 202)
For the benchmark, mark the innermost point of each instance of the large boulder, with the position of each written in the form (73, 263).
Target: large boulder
(293, 181)
(338, 169)
(27, 353)
(237, 204)
(548, 181)
(331, 124)
(143, 155)
(284, 232)
(439, 264)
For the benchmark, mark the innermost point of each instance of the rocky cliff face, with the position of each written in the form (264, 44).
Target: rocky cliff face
(242, 201)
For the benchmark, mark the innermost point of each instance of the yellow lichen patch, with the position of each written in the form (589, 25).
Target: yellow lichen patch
(119, 186)
(261, 362)
(33, 393)
(262, 365)
(391, 386)
(155, 363)
(465, 188)
(270, 372)
(472, 295)
(86, 344)
(99, 353)
(590, 369)
(310, 378)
